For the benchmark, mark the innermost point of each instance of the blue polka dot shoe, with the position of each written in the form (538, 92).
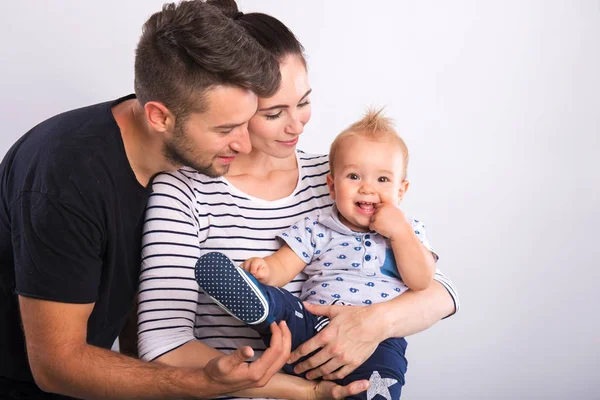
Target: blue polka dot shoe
(232, 288)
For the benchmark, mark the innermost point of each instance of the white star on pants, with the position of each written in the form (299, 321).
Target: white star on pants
(380, 386)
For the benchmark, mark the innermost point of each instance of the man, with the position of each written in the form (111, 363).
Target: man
(73, 192)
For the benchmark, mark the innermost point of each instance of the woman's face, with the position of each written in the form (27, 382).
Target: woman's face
(280, 119)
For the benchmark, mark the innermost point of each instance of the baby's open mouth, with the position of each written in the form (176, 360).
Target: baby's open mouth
(365, 206)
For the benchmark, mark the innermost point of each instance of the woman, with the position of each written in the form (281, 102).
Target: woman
(239, 214)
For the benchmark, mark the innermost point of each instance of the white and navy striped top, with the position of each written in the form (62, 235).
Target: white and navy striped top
(190, 214)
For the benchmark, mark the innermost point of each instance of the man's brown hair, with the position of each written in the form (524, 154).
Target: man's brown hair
(191, 47)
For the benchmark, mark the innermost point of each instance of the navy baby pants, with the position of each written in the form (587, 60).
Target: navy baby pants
(385, 368)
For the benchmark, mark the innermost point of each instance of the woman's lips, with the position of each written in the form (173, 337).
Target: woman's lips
(289, 142)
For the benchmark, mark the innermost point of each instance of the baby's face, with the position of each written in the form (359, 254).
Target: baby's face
(367, 172)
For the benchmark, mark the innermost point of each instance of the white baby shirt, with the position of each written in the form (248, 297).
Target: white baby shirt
(354, 267)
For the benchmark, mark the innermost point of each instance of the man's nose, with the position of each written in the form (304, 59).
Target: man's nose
(241, 143)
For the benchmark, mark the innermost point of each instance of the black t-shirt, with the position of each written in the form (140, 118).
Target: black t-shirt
(71, 214)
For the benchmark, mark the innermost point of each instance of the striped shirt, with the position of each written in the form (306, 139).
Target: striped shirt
(189, 214)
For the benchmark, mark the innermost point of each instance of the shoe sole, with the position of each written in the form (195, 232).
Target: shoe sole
(231, 288)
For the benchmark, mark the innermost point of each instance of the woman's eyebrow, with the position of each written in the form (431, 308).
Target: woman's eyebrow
(284, 105)
(306, 94)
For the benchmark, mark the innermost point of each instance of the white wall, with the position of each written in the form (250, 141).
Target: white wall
(499, 102)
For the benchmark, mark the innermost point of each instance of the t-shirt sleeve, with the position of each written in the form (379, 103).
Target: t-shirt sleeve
(57, 249)
(168, 297)
(419, 229)
(299, 236)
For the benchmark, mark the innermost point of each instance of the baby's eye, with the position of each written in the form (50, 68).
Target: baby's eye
(353, 176)
(383, 179)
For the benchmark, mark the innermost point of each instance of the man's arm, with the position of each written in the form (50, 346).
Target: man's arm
(195, 354)
(62, 362)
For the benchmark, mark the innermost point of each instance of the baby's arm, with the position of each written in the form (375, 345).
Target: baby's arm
(277, 269)
(416, 264)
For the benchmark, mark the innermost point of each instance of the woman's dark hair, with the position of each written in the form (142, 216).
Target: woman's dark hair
(190, 47)
(270, 32)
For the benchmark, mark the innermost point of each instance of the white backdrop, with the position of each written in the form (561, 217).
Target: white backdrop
(499, 102)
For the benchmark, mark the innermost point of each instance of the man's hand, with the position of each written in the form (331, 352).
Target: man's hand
(231, 372)
(347, 342)
(258, 268)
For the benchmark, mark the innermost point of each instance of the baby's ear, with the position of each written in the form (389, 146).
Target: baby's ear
(331, 186)
(403, 189)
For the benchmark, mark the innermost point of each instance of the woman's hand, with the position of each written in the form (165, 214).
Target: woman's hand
(325, 390)
(349, 340)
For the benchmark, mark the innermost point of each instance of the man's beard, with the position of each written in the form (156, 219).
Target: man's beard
(178, 150)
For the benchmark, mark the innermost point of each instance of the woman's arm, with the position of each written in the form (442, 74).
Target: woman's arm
(354, 332)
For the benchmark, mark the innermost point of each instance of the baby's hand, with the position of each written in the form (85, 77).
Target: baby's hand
(257, 267)
(387, 220)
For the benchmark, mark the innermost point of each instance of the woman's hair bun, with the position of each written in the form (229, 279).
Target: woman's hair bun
(227, 7)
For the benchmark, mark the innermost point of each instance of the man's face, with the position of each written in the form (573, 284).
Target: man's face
(209, 141)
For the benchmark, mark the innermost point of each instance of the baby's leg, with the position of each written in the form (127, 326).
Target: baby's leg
(252, 302)
(285, 306)
(385, 370)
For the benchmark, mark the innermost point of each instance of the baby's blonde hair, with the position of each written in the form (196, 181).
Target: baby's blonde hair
(373, 126)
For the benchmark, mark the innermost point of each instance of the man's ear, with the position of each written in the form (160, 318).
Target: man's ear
(159, 117)
(403, 189)
(331, 186)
